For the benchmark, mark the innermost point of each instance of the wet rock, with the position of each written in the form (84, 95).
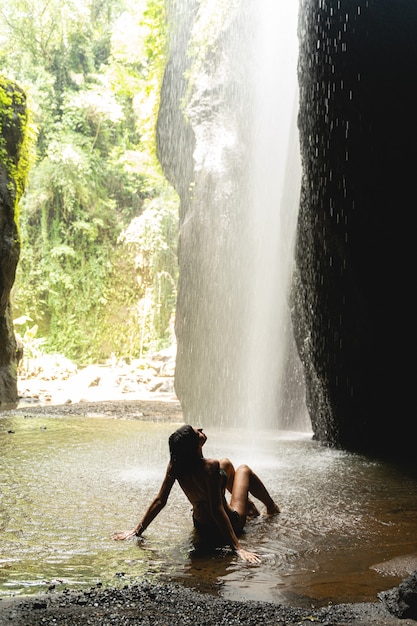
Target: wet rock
(166, 604)
(56, 380)
(352, 311)
(39, 604)
(402, 600)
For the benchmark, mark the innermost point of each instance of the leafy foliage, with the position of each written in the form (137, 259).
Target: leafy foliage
(98, 267)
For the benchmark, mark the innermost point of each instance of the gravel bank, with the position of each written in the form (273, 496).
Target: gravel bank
(171, 605)
(164, 409)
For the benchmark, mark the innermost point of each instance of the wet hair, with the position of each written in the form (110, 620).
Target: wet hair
(183, 448)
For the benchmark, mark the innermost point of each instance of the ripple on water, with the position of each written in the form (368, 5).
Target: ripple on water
(68, 487)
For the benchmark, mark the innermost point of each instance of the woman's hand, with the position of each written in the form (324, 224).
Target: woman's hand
(249, 557)
(125, 534)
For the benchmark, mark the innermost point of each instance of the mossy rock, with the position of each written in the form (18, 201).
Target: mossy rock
(14, 152)
(14, 165)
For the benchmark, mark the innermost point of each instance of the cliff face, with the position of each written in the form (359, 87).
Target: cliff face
(13, 120)
(352, 285)
(358, 129)
(201, 135)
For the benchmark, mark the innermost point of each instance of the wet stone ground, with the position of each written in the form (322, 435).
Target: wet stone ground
(165, 605)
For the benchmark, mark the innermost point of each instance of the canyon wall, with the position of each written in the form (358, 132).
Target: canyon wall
(353, 304)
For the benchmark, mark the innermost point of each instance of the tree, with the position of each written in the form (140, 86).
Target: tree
(92, 71)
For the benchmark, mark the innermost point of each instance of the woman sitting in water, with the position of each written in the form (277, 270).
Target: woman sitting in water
(204, 482)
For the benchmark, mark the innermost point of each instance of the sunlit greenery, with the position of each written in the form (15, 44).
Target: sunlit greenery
(98, 267)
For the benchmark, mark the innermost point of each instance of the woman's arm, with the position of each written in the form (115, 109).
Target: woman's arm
(220, 516)
(155, 507)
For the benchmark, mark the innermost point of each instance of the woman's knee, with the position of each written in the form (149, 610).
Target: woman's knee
(227, 466)
(243, 469)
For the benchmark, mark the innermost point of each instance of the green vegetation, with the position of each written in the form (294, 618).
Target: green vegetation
(98, 222)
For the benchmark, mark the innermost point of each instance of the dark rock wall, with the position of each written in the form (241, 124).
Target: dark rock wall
(12, 175)
(353, 290)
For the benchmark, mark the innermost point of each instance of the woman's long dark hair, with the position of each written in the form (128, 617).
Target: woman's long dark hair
(183, 448)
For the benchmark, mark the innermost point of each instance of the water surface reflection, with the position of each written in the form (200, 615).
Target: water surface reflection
(69, 483)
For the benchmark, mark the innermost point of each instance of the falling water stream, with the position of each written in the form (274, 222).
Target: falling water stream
(348, 526)
(236, 353)
(275, 179)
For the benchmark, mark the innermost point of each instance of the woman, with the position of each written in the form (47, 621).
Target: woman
(204, 482)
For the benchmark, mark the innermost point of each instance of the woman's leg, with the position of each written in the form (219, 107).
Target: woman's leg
(227, 466)
(245, 482)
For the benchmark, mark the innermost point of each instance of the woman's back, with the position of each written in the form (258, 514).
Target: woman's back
(198, 486)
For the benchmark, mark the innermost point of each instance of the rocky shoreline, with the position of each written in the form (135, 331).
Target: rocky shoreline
(166, 604)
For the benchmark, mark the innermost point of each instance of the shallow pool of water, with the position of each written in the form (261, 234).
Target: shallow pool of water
(348, 526)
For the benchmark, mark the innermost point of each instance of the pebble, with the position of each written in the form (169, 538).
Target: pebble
(168, 604)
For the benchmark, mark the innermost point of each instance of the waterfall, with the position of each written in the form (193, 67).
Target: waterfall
(234, 159)
(274, 388)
